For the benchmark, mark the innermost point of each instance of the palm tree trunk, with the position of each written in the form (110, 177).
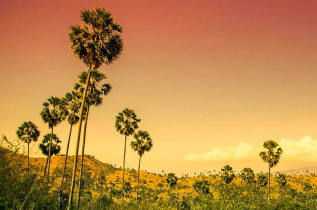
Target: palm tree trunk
(268, 194)
(125, 145)
(64, 170)
(137, 189)
(100, 195)
(28, 160)
(45, 166)
(70, 201)
(49, 154)
(82, 157)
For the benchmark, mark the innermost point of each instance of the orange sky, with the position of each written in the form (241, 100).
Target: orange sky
(201, 75)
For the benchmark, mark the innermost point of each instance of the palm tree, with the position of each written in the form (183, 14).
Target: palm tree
(96, 42)
(71, 104)
(143, 143)
(247, 175)
(227, 174)
(50, 146)
(27, 133)
(172, 181)
(94, 97)
(126, 124)
(272, 157)
(52, 114)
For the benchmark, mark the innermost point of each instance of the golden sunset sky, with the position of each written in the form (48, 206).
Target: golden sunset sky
(211, 80)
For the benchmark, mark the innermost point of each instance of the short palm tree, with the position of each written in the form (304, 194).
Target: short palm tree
(50, 146)
(247, 175)
(126, 123)
(71, 105)
(271, 156)
(227, 174)
(96, 42)
(94, 97)
(52, 114)
(27, 133)
(171, 181)
(142, 143)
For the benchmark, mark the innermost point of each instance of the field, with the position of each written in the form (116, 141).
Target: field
(299, 192)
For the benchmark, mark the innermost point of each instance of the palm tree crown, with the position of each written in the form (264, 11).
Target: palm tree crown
(52, 112)
(127, 122)
(273, 154)
(142, 143)
(28, 132)
(96, 89)
(98, 40)
(44, 145)
(227, 174)
(70, 105)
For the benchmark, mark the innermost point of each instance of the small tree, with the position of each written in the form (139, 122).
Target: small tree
(247, 175)
(262, 180)
(50, 146)
(272, 157)
(227, 174)
(27, 133)
(172, 181)
(202, 187)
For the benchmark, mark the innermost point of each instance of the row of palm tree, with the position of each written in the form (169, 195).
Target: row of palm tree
(126, 124)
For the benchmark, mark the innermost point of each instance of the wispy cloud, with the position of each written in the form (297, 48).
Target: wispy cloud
(300, 150)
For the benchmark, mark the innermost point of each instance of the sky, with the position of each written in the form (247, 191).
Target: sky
(211, 80)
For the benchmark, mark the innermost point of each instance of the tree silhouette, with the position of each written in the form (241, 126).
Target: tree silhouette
(247, 175)
(70, 104)
(202, 187)
(27, 133)
(272, 157)
(142, 143)
(94, 97)
(171, 180)
(126, 123)
(52, 114)
(227, 174)
(96, 42)
(50, 146)
(262, 180)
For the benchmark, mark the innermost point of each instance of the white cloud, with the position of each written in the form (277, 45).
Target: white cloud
(240, 152)
(304, 149)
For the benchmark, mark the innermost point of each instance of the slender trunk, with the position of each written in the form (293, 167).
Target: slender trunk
(64, 170)
(125, 145)
(45, 166)
(100, 195)
(268, 194)
(49, 154)
(70, 201)
(137, 188)
(28, 160)
(82, 157)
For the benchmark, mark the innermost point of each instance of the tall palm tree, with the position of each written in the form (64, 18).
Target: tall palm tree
(50, 146)
(143, 143)
(27, 133)
(126, 123)
(94, 97)
(272, 157)
(96, 42)
(71, 105)
(52, 114)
